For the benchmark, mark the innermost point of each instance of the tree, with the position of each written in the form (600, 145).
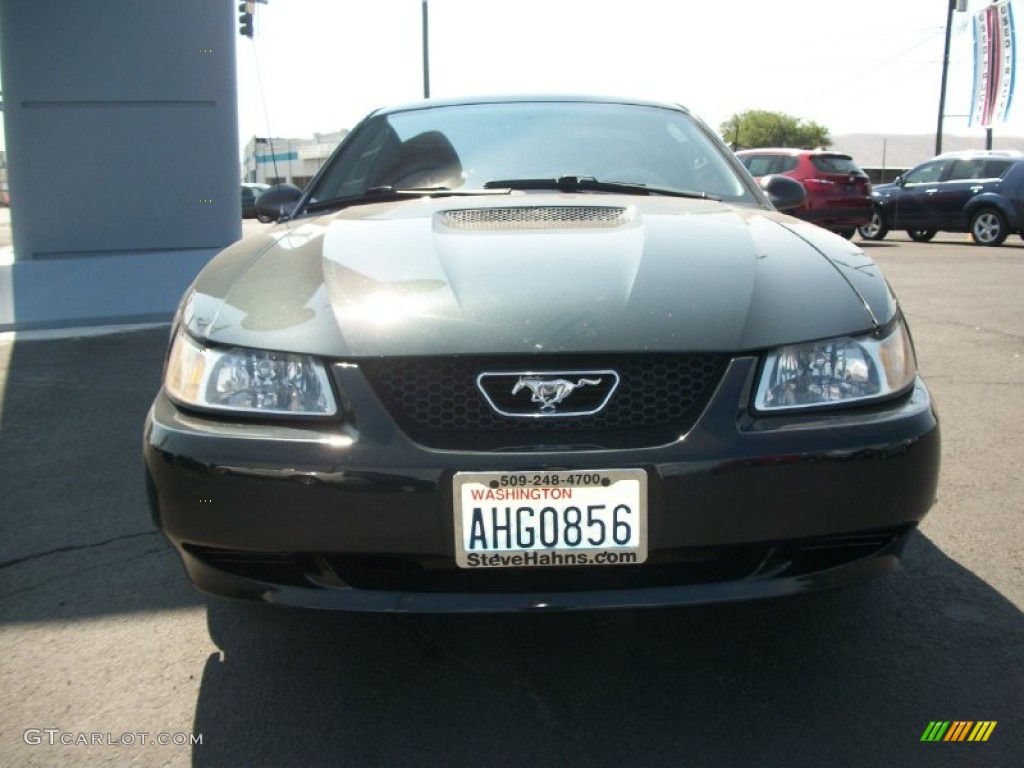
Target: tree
(759, 128)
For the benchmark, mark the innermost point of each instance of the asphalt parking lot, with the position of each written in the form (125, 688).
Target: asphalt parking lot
(101, 636)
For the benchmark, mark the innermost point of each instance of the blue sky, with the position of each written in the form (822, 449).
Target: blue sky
(869, 66)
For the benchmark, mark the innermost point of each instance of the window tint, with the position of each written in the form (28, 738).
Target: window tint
(928, 173)
(967, 169)
(996, 169)
(835, 164)
(786, 163)
(758, 165)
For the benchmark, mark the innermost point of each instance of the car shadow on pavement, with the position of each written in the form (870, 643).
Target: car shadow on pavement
(78, 538)
(847, 677)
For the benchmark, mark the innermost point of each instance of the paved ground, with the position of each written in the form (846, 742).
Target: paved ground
(100, 633)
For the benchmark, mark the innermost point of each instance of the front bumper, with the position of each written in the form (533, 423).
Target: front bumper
(739, 507)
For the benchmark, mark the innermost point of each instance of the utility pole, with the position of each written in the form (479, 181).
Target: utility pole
(426, 54)
(945, 74)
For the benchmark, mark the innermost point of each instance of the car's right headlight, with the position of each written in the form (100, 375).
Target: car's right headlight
(244, 380)
(837, 372)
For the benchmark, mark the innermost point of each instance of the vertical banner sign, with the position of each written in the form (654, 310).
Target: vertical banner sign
(994, 64)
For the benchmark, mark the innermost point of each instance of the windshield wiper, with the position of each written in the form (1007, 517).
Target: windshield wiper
(384, 194)
(590, 184)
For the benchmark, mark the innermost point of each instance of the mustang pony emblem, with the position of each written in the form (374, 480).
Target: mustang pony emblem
(549, 393)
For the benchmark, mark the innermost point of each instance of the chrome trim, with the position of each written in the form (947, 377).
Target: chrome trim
(583, 377)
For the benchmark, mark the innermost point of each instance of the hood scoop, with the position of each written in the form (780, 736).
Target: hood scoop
(537, 217)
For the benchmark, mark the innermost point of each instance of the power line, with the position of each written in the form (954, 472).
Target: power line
(890, 60)
(266, 114)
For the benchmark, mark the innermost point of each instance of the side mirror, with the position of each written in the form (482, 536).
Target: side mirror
(783, 192)
(276, 203)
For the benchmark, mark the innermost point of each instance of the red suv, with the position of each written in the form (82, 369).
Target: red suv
(838, 191)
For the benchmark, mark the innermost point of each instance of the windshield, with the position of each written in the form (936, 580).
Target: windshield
(468, 145)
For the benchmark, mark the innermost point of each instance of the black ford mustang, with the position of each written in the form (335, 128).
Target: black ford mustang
(533, 353)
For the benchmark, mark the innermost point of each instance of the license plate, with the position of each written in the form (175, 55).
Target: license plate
(531, 519)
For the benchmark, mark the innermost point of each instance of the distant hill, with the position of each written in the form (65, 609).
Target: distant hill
(875, 150)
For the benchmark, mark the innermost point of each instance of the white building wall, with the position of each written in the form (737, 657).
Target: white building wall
(291, 160)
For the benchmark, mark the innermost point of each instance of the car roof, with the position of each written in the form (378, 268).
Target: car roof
(969, 153)
(528, 98)
(794, 151)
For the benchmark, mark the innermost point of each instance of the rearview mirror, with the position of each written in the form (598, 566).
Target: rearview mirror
(783, 192)
(277, 202)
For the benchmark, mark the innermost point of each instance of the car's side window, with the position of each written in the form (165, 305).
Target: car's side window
(759, 165)
(785, 163)
(929, 173)
(996, 169)
(967, 169)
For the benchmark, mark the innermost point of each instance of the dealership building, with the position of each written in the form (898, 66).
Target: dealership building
(295, 161)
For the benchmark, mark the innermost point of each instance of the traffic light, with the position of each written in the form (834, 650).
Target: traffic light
(245, 12)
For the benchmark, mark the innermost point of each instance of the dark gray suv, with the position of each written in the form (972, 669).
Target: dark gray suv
(981, 192)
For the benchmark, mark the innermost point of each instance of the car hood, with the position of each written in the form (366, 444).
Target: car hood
(536, 274)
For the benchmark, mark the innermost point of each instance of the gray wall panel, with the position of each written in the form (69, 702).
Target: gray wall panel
(121, 127)
(122, 49)
(146, 178)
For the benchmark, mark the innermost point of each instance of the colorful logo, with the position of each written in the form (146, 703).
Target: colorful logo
(958, 730)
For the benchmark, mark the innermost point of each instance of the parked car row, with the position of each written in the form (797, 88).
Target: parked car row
(976, 191)
(981, 192)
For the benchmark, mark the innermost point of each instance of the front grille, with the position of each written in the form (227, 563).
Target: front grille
(437, 402)
(537, 217)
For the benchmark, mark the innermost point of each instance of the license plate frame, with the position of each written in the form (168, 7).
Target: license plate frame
(510, 519)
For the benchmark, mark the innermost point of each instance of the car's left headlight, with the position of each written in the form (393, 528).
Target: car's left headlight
(837, 372)
(244, 380)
